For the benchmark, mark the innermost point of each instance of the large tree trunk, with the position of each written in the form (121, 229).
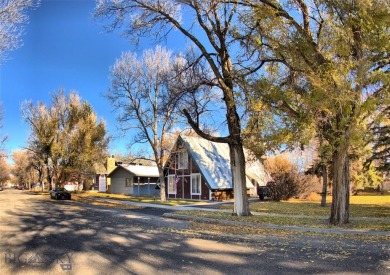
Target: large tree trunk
(163, 193)
(237, 164)
(340, 196)
(324, 185)
(48, 178)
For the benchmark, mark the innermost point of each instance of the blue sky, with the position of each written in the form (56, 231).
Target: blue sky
(63, 47)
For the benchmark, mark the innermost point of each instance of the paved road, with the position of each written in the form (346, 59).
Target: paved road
(41, 236)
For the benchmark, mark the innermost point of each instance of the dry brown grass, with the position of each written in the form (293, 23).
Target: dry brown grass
(104, 203)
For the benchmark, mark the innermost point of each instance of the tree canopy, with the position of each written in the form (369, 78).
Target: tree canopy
(66, 136)
(327, 69)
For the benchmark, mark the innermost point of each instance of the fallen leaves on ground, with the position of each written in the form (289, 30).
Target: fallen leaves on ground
(290, 220)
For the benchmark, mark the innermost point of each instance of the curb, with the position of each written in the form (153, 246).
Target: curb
(286, 227)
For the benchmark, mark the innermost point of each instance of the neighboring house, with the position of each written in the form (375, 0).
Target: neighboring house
(136, 180)
(200, 169)
(101, 182)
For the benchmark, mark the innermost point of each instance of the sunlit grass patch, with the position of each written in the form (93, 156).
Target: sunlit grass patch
(371, 200)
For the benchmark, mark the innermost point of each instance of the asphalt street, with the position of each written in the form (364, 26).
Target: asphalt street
(42, 236)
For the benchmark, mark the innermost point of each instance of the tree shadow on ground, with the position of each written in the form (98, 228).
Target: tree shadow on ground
(46, 235)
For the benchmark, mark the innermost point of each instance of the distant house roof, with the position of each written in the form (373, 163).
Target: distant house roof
(213, 160)
(105, 168)
(100, 168)
(139, 170)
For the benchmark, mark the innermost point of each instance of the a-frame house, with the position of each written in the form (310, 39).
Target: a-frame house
(200, 169)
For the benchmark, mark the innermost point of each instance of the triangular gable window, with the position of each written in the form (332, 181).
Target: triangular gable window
(182, 159)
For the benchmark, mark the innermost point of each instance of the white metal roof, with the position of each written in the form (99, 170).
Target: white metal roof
(213, 160)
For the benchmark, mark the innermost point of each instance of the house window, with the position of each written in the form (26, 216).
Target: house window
(182, 160)
(195, 184)
(129, 182)
(171, 184)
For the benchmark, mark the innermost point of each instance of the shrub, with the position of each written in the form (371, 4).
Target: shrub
(284, 186)
(287, 181)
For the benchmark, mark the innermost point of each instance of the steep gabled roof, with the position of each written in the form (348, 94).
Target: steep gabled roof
(213, 160)
(138, 170)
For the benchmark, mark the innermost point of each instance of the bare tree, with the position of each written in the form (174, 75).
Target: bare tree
(192, 83)
(209, 29)
(13, 17)
(140, 94)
